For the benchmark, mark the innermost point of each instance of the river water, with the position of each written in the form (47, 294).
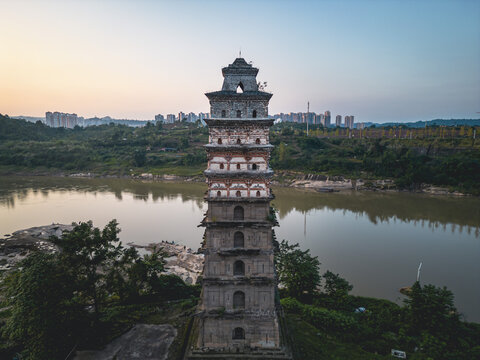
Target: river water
(374, 240)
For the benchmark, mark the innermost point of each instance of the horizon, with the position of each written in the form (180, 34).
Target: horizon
(381, 62)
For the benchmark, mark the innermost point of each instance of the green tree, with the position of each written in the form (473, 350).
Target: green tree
(297, 270)
(46, 314)
(140, 157)
(90, 255)
(337, 289)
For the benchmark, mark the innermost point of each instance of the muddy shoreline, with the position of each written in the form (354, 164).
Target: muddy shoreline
(289, 179)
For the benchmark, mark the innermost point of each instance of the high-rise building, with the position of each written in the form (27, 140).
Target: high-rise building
(58, 119)
(159, 118)
(181, 116)
(338, 120)
(170, 118)
(328, 117)
(238, 307)
(349, 120)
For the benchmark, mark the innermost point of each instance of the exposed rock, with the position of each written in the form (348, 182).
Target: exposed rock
(182, 261)
(18, 245)
(146, 342)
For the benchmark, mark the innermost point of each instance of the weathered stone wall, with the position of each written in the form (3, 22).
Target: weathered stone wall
(224, 211)
(246, 108)
(222, 267)
(254, 238)
(256, 298)
(260, 331)
(247, 135)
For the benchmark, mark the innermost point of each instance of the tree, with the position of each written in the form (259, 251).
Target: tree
(46, 314)
(430, 308)
(337, 289)
(297, 270)
(140, 157)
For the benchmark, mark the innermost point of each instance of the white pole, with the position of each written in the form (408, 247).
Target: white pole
(418, 271)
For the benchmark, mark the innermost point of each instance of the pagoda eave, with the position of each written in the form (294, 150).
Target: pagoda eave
(238, 175)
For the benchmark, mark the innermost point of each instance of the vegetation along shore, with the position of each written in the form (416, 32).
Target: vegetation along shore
(436, 159)
(55, 304)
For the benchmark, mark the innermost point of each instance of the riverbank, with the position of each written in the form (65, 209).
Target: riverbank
(282, 178)
(181, 260)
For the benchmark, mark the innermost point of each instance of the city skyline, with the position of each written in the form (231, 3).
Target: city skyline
(382, 62)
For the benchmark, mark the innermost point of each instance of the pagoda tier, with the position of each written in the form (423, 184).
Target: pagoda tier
(238, 311)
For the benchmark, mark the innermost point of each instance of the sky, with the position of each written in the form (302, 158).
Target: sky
(378, 60)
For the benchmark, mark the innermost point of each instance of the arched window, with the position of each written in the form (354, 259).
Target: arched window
(238, 166)
(219, 193)
(224, 113)
(238, 334)
(239, 268)
(257, 141)
(238, 240)
(238, 300)
(221, 166)
(239, 141)
(238, 193)
(258, 193)
(239, 114)
(219, 141)
(254, 167)
(238, 213)
(254, 114)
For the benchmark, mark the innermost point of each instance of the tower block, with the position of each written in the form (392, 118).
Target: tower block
(239, 310)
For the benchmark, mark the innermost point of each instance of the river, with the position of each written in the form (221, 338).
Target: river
(374, 240)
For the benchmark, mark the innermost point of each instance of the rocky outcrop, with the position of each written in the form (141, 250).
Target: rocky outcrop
(146, 342)
(18, 245)
(182, 261)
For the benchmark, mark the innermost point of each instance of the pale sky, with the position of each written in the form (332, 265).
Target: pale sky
(378, 60)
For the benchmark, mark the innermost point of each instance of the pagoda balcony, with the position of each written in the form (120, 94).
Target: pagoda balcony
(239, 174)
(238, 147)
(233, 198)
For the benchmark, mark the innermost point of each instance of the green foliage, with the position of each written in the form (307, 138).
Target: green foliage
(46, 313)
(85, 293)
(336, 289)
(297, 270)
(430, 308)
(324, 319)
(427, 327)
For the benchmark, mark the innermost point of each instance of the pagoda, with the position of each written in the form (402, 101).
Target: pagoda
(239, 311)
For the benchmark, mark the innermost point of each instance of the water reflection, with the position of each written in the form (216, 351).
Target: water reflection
(435, 212)
(375, 240)
(14, 189)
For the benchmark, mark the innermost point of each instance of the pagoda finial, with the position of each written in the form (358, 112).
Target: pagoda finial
(240, 53)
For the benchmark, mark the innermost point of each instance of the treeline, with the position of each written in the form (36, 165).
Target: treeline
(106, 149)
(452, 162)
(445, 156)
(326, 322)
(82, 297)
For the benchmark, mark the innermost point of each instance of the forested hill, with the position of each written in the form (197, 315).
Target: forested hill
(436, 122)
(444, 156)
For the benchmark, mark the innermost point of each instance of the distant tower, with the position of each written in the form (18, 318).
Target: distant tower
(328, 118)
(238, 308)
(338, 120)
